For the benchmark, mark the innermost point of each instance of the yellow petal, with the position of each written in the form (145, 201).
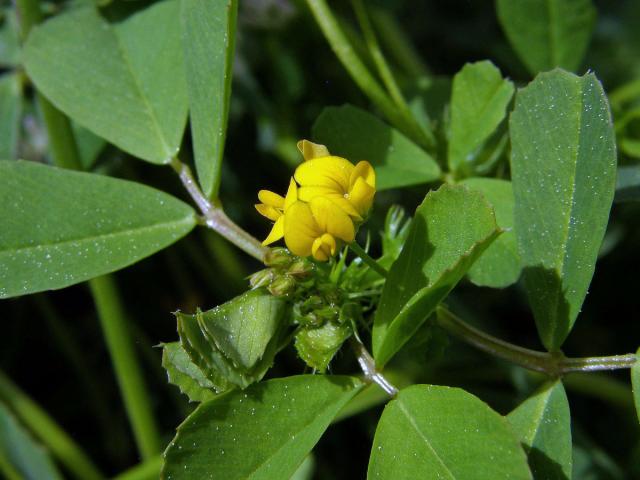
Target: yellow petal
(332, 172)
(324, 247)
(300, 229)
(276, 233)
(311, 150)
(271, 199)
(306, 194)
(268, 211)
(292, 194)
(332, 219)
(361, 196)
(365, 170)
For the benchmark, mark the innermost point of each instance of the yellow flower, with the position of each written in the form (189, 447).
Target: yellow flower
(350, 187)
(273, 207)
(316, 228)
(318, 216)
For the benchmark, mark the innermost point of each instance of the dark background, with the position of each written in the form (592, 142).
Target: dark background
(285, 74)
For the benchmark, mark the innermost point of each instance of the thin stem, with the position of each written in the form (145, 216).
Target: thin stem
(148, 470)
(398, 43)
(362, 77)
(553, 364)
(368, 366)
(377, 56)
(47, 430)
(375, 266)
(128, 373)
(215, 217)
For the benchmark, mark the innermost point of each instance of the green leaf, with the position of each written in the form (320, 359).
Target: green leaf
(628, 184)
(635, 383)
(449, 231)
(20, 453)
(432, 432)
(479, 102)
(548, 33)
(9, 38)
(499, 266)
(543, 423)
(89, 145)
(208, 38)
(355, 134)
(264, 432)
(185, 375)
(563, 168)
(235, 343)
(62, 227)
(123, 81)
(10, 114)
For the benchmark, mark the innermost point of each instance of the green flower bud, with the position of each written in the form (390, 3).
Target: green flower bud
(300, 268)
(282, 285)
(277, 257)
(262, 278)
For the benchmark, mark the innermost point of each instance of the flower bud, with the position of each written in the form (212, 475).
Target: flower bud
(282, 285)
(278, 257)
(261, 278)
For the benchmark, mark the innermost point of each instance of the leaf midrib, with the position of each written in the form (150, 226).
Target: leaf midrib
(159, 226)
(138, 86)
(424, 438)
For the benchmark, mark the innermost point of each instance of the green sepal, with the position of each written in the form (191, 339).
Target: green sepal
(234, 344)
(317, 346)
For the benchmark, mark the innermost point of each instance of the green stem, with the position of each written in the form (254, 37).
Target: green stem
(128, 373)
(61, 142)
(362, 77)
(148, 470)
(368, 366)
(7, 469)
(215, 218)
(553, 364)
(376, 54)
(46, 429)
(398, 44)
(375, 266)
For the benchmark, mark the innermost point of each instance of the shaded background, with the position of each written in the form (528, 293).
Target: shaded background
(284, 75)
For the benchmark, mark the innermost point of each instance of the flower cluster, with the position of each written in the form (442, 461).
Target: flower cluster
(328, 197)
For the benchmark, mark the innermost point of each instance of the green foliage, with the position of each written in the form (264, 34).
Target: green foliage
(119, 80)
(63, 227)
(355, 134)
(450, 230)
(10, 113)
(479, 101)
(499, 266)
(20, 455)
(264, 432)
(635, 382)
(563, 165)
(208, 36)
(234, 344)
(77, 74)
(185, 375)
(434, 432)
(543, 423)
(548, 33)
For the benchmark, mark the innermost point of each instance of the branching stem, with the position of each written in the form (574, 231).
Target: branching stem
(215, 218)
(552, 364)
(368, 366)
